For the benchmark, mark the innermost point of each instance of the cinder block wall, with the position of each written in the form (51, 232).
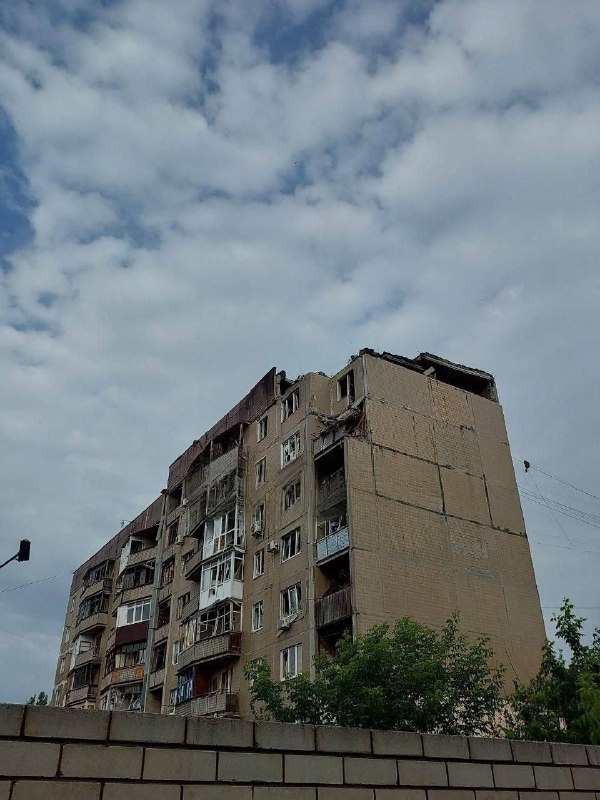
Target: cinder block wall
(55, 753)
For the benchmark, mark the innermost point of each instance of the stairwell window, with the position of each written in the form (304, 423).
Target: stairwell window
(290, 449)
(291, 662)
(290, 544)
(257, 616)
(261, 471)
(290, 404)
(259, 563)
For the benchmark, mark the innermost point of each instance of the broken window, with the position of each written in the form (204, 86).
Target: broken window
(257, 616)
(219, 533)
(261, 471)
(261, 428)
(290, 404)
(290, 544)
(291, 494)
(345, 386)
(164, 613)
(172, 532)
(290, 449)
(259, 563)
(181, 601)
(291, 662)
(219, 620)
(168, 572)
(291, 601)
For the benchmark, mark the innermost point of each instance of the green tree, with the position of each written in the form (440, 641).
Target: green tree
(411, 677)
(40, 700)
(562, 702)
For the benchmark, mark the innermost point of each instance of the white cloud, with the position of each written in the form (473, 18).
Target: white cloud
(201, 213)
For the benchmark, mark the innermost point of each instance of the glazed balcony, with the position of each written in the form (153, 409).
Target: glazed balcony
(333, 608)
(215, 703)
(89, 692)
(147, 554)
(332, 545)
(216, 647)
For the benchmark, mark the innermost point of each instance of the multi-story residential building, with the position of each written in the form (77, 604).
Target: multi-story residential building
(313, 507)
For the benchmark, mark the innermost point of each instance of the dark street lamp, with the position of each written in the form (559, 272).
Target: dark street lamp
(22, 555)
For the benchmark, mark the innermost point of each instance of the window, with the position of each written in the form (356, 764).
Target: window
(219, 572)
(164, 613)
(291, 662)
(219, 533)
(291, 494)
(62, 665)
(261, 428)
(134, 612)
(261, 471)
(290, 544)
(129, 655)
(176, 651)
(181, 601)
(219, 620)
(290, 404)
(259, 563)
(345, 386)
(290, 449)
(291, 601)
(259, 518)
(185, 558)
(172, 532)
(220, 682)
(159, 657)
(257, 616)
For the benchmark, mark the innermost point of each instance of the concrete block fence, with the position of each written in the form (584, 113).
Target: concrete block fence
(52, 753)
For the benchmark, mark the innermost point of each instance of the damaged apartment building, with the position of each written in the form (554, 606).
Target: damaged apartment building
(313, 507)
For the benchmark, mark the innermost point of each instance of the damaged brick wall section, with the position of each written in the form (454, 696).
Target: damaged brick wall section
(54, 753)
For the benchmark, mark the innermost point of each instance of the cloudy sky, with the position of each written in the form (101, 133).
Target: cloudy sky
(193, 192)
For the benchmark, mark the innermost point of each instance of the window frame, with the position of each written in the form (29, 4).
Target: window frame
(261, 471)
(286, 541)
(259, 558)
(292, 488)
(346, 386)
(290, 404)
(285, 674)
(258, 616)
(294, 606)
(297, 449)
(262, 428)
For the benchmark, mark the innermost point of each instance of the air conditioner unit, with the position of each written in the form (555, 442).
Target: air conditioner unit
(184, 502)
(256, 527)
(284, 624)
(273, 547)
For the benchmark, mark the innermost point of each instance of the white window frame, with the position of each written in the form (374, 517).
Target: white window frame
(257, 616)
(290, 662)
(259, 563)
(291, 449)
(141, 606)
(261, 471)
(290, 404)
(291, 544)
(262, 428)
(290, 600)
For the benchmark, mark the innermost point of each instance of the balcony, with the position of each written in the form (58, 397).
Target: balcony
(164, 592)
(147, 554)
(223, 646)
(168, 552)
(89, 692)
(332, 545)
(90, 624)
(190, 607)
(193, 567)
(91, 656)
(332, 489)
(333, 608)
(208, 704)
(123, 596)
(161, 633)
(103, 585)
(122, 675)
(156, 679)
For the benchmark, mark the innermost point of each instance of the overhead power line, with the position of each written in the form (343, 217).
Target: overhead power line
(41, 580)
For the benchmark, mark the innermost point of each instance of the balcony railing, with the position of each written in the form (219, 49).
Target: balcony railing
(165, 591)
(333, 544)
(156, 679)
(89, 692)
(193, 567)
(93, 622)
(333, 608)
(191, 606)
(91, 656)
(102, 585)
(227, 644)
(332, 488)
(215, 703)
(147, 554)
(123, 675)
(168, 552)
(161, 633)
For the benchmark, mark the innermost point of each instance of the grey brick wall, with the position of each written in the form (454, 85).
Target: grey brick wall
(51, 754)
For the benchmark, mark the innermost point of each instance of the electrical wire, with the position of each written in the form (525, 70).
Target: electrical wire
(41, 580)
(555, 478)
